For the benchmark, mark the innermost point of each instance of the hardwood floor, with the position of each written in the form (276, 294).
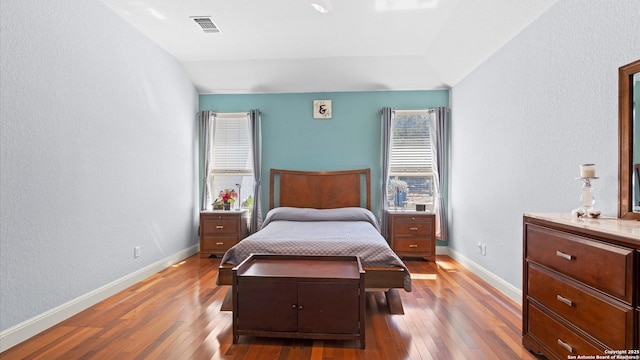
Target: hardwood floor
(175, 314)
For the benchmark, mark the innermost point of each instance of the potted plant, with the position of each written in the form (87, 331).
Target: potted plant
(225, 198)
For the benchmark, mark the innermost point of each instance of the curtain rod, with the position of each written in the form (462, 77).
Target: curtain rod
(231, 113)
(415, 110)
(410, 111)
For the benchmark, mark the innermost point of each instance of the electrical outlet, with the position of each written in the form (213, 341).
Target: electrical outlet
(483, 249)
(479, 248)
(136, 252)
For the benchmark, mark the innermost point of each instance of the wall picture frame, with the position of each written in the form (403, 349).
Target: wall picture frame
(322, 109)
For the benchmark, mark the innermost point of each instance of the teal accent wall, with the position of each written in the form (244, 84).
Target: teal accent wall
(293, 140)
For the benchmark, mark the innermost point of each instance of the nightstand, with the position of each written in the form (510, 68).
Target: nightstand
(220, 230)
(412, 233)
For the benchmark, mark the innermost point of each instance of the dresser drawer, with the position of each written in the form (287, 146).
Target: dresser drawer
(600, 265)
(559, 339)
(418, 245)
(220, 226)
(218, 243)
(607, 320)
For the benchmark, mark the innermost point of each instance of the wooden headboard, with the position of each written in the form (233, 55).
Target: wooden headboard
(320, 189)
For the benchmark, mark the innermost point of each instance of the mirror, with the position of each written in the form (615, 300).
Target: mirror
(635, 116)
(629, 141)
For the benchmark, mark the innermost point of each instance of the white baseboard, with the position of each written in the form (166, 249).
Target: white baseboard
(504, 287)
(26, 329)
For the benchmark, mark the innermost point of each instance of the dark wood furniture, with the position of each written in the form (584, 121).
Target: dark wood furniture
(323, 190)
(220, 230)
(626, 139)
(320, 189)
(316, 297)
(637, 184)
(580, 285)
(412, 233)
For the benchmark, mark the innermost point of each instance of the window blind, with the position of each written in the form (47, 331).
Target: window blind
(231, 150)
(410, 144)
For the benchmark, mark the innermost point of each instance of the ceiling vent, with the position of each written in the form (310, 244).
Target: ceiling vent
(207, 24)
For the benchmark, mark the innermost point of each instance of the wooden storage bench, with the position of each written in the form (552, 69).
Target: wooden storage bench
(315, 297)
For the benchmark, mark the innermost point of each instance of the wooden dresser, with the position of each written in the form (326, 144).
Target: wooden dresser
(412, 233)
(220, 230)
(580, 285)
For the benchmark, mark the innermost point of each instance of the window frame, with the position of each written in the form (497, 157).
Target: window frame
(243, 175)
(394, 175)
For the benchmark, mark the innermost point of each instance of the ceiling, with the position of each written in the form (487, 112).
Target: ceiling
(286, 46)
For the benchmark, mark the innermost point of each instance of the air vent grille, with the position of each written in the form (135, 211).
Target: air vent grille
(207, 24)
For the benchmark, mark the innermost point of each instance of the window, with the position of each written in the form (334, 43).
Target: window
(231, 161)
(410, 166)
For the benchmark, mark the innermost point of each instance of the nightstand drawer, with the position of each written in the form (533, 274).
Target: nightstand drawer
(608, 320)
(412, 228)
(218, 243)
(219, 226)
(583, 259)
(415, 245)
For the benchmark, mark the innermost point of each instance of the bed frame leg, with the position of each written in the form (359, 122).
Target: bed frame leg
(394, 301)
(227, 303)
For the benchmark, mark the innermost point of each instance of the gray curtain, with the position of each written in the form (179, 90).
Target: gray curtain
(205, 121)
(387, 114)
(256, 139)
(438, 118)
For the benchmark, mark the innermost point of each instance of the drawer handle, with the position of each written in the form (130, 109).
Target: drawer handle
(220, 227)
(413, 246)
(564, 300)
(565, 345)
(413, 229)
(564, 256)
(220, 243)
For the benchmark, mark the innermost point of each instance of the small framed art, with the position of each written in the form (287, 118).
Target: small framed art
(322, 109)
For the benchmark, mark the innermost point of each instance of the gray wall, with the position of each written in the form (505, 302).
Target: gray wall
(526, 118)
(98, 153)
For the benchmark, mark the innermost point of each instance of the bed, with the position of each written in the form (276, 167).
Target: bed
(324, 213)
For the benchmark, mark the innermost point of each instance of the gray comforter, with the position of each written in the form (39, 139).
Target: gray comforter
(297, 231)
